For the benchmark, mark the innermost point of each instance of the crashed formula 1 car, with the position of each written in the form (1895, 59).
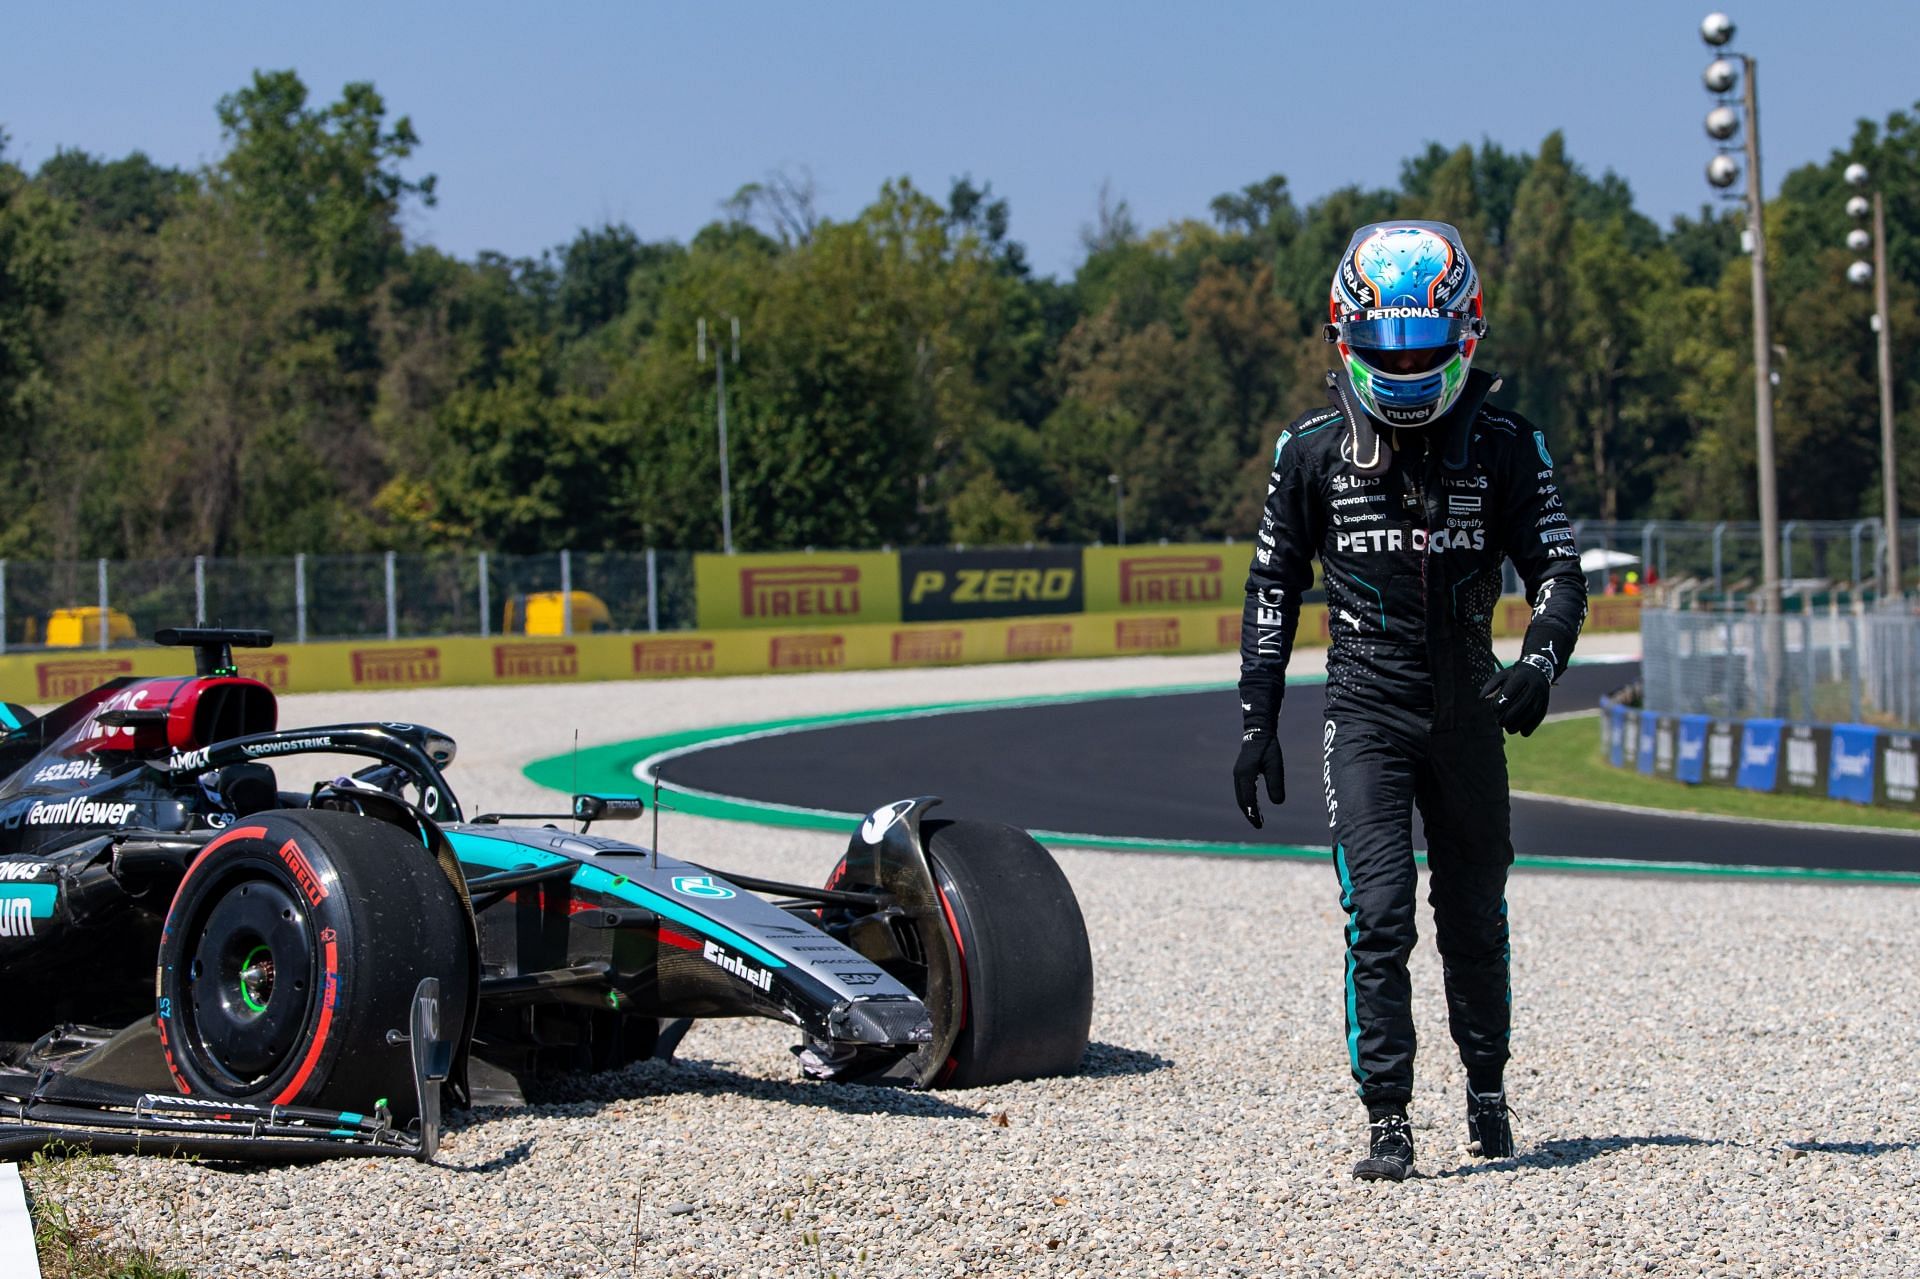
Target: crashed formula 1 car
(194, 959)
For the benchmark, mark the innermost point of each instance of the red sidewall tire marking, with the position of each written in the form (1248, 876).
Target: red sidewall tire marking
(330, 990)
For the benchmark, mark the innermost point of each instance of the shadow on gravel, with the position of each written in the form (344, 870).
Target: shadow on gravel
(1108, 1061)
(1564, 1152)
(587, 1094)
(511, 1157)
(1854, 1147)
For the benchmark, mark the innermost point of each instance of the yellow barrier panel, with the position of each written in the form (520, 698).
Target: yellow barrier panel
(373, 665)
(1124, 578)
(813, 589)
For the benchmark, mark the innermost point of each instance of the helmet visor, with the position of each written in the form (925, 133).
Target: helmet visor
(1406, 361)
(1401, 328)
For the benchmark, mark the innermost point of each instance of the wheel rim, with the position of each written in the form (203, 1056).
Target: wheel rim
(249, 983)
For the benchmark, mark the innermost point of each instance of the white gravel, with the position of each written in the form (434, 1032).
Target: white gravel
(1713, 1077)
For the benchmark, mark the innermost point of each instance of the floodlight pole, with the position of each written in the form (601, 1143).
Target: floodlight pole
(1889, 480)
(1762, 355)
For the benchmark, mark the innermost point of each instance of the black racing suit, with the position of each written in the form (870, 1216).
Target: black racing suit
(1411, 527)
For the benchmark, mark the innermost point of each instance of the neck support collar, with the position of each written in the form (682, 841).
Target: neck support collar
(1366, 445)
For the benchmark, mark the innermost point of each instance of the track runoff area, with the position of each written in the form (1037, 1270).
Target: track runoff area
(1147, 770)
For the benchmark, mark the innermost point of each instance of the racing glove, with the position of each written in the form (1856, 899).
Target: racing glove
(1259, 757)
(1519, 693)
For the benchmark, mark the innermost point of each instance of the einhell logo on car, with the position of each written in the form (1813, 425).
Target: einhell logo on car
(673, 657)
(271, 669)
(296, 860)
(807, 652)
(1040, 639)
(1170, 579)
(61, 680)
(927, 646)
(800, 590)
(535, 661)
(396, 666)
(1146, 634)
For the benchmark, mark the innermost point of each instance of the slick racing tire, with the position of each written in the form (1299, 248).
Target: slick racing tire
(293, 948)
(1026, 968)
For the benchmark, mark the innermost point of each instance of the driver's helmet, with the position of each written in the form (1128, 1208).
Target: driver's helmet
(1405, 312)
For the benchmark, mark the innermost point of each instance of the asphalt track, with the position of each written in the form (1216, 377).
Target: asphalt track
(1156, 766)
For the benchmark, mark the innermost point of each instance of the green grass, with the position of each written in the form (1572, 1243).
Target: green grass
(1563, 758)
(69, 1245)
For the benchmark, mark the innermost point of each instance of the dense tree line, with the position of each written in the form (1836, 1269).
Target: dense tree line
(252, 359)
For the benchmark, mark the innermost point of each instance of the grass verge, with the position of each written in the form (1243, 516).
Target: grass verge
(69, 1245)
(1563, 758)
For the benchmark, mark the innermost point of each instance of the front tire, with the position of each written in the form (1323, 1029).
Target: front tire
(292, 948)
(1026, 969)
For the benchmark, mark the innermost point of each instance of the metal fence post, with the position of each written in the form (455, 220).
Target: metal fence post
(1646, 551)
(3, 606)
(300, 598)
(1719, 573)
(1853, 666)
(393, 619)
(104, 628)
(653, 591)
(1786, 550)
(566, 592)
(199, 590)
(486, 604)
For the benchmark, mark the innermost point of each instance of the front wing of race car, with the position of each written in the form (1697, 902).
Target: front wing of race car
(52, 1107)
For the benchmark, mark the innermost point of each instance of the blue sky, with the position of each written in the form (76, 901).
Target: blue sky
(541, 119)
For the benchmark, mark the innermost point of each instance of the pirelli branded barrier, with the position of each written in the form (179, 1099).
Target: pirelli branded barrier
(850, 587)
(1860, 763)
(40, 678)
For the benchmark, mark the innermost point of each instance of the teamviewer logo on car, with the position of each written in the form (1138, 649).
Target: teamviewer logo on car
(1170, 579)
(808, 590)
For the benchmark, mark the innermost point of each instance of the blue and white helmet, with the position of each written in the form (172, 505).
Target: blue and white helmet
(1406, 314)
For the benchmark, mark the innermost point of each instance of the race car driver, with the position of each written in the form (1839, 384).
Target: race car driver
(1411, 489)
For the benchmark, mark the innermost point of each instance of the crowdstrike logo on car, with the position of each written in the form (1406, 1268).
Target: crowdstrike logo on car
(78, 812)
(759, 978)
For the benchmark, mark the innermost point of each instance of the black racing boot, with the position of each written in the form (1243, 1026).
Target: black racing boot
(1389, 1146)
(1489, 1135)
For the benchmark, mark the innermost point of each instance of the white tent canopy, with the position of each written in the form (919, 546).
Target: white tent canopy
(1599, 560)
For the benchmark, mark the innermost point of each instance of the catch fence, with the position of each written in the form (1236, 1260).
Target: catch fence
(424, 595)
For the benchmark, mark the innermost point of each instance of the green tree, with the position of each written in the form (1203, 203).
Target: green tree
(325, 182)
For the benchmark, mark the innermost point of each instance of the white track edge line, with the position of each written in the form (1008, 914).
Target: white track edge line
(19, 1259)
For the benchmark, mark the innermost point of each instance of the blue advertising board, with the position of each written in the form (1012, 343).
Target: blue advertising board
(1691, 764)
(1617, 738)
(1649, 721)
(1759, 755)
(1850, 763)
